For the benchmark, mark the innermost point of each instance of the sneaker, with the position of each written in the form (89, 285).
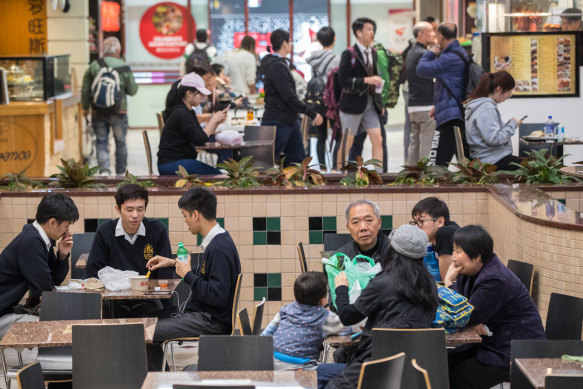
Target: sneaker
(104, 173)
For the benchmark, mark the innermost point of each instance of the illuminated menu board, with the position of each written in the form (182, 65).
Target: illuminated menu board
(541, 64)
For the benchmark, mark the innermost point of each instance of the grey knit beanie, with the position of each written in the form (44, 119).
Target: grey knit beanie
(410, 241)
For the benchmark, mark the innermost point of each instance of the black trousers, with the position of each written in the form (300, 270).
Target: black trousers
(465, 372)
(505, 163)
(443, 146)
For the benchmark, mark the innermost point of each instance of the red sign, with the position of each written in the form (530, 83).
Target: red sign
(261, 40)
(164, 30)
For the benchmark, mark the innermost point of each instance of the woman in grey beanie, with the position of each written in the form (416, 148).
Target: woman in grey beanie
(402, 295)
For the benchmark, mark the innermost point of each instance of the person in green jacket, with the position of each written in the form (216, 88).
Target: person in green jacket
(106, 83)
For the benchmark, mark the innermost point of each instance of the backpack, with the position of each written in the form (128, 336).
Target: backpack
(333, 93)
(316, 89)
(473, 73)
(384, 73)
(106, 88)
(197, 57)
(395, 74)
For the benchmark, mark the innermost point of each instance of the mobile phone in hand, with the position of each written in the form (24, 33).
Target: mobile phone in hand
(524, 117)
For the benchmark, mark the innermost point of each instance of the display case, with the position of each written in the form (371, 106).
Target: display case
(36, 78)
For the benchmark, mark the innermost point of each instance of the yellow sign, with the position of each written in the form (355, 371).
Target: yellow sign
(24, 27)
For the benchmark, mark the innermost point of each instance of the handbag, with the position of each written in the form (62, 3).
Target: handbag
(454, 310)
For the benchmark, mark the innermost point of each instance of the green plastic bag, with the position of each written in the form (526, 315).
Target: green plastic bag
(360, 268)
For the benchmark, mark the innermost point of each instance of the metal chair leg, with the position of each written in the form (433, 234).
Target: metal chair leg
(5, 369)
(164, 357)
(172, 356)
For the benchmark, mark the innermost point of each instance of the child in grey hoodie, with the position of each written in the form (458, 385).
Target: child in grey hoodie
(488, 136)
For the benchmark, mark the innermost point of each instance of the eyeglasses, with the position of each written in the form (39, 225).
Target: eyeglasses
(419, 223)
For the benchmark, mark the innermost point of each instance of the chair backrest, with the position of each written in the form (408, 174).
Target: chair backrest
(70, 306)
(342, 158)
(302, 258)
(82, 244)
(262, 156)
(258, 317)
(148, 151)
(383, 373)
(524, 271)
(244, 323)
(305, 124)
(109, 356)
(459, 145)
(160, 120)
(333, 242)
(563, 382)
(235, 353)
(539, 348)
(524, 130)
(427, 346)
(236, 302)
(421, 377)
(30, 377)
(564, 317)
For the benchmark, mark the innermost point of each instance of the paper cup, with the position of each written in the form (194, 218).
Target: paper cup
(379, 88)
(139, 283)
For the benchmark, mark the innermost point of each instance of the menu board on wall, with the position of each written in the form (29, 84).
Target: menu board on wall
(542, 64)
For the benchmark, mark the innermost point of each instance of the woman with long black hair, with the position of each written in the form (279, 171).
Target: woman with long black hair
(182, 131)
(282, 105)
(403, 295)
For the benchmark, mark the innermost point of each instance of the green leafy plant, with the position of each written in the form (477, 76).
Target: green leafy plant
(131, 179)
(474, 172)
(298, 174)
(75, 175)
(18, 181)
(362, 176)
(540, 168)
(242, 174)
(186, 180)
(422, 173)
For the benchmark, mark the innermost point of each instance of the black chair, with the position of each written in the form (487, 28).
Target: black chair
(244, 323)
(258, 317)
(235, 353)
(421, 377)
(148, 150)
(564, 317)
(524, 271)
(82, 244)
(524, 130)
(538, 348)
(385, 373)
(109, 356)
(302, 258)
(262, 156)
(427, 346)
(459, 144)
(333, 242)
(563, 382)
(30, 377)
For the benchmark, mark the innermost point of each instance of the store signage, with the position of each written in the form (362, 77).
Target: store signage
(164, 30)
(261, 40)
(18, 150)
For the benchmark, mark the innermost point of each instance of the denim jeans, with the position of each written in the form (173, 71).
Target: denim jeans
(192, 166)
(327, 372)
(288, 139)
(119, 126)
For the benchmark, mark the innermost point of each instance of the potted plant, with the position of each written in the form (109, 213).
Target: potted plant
(362, 176)
(298, 174)
(242, 174)
(75, 175)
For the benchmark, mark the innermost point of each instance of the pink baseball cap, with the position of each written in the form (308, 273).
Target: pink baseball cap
(195, 81)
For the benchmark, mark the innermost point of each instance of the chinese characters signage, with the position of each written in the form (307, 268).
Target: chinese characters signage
(24, 23)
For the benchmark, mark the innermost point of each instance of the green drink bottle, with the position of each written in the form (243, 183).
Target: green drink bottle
(182, 253)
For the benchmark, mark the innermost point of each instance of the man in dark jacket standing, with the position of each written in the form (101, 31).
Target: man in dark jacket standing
(420, 95)
(446, 62)
(360, 105)
(281, 101)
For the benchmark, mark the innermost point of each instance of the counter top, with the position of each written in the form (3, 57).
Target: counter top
(535, 369)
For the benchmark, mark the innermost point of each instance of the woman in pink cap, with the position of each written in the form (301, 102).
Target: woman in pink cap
(182, 132)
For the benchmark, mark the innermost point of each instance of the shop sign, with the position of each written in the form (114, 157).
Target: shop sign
(164, 30)
(17, 147)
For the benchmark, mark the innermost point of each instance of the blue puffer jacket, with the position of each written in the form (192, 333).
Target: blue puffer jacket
(448, 67)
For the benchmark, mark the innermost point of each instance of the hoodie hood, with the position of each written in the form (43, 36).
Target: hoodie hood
(477, 104)
(318, 57)
(269, 60)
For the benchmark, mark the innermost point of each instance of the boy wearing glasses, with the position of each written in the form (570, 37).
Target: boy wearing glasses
(432, 216)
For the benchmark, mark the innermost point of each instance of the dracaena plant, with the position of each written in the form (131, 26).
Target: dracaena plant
(186, 180)
(540, 168)
(362, 176)
(75, 174)
(474, 172)
(297, 174)
(131, 179)
(242, 174)
(18, 181)
(422, 173)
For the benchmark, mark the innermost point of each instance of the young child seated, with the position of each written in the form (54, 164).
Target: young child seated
(300, 327)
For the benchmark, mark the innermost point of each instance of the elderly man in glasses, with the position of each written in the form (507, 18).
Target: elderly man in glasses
(432, 216)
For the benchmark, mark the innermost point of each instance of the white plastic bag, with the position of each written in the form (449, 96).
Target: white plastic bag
(229, 137)
(115, 279)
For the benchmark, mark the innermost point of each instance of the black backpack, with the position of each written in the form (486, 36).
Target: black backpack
(315, 90)
(197, 57)
(473, 73)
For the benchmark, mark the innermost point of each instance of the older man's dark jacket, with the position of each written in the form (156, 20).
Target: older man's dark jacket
(351, 249)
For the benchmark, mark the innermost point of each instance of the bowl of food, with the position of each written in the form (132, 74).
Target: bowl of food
(139, 283)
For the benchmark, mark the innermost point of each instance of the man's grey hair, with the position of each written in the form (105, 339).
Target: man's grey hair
(111, 45)
(373, 205)
(419, 26)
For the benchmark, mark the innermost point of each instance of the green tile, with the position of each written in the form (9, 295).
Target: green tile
(101, 221)
(273, 224)
(387, 223)
(198, 239)
(163, 220)
(562, 201)
(316, 237)
(259, 294)
(329, 223)
(274, 279)
(259, 238)
(221, 221)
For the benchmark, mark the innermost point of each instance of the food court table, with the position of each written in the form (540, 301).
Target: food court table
(250, 144)
(535, 369)
(262, 378)
(128, 294)
(536, 141)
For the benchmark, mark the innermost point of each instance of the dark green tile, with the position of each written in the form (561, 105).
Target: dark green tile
(387, 223)
(329, 223)
(273, 224)
(316, 237)
(163, 220)
(101, 221)
(274, 279)
(221, 221)
(259, 294)
(259, 237)
(562, 201)
(198, 239)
